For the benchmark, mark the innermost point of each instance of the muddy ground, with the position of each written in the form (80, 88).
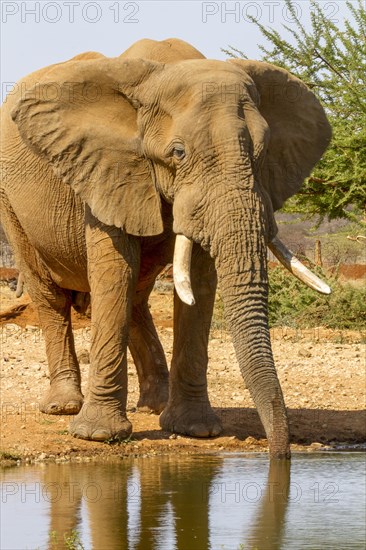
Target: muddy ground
(322, 374)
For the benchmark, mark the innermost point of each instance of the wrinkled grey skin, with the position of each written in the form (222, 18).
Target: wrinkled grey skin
(104, 160)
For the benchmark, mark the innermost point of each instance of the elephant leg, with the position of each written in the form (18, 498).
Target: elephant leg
(113, 262)
(148, 356)
(53, 304)
(189, 411)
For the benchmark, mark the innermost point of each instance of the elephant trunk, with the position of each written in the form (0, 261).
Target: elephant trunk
(234, 224)
(241, 264)
(246, 313)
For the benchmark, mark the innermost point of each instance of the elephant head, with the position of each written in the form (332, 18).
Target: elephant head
(225, 142)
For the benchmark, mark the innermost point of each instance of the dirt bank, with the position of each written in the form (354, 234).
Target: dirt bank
(322, 374)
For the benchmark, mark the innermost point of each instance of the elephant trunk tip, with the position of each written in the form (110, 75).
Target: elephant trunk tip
(278, 454)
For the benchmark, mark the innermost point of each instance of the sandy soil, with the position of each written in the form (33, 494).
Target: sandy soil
(322, 374)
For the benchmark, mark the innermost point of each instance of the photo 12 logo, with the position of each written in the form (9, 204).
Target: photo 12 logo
(262, 11)
(70, 11)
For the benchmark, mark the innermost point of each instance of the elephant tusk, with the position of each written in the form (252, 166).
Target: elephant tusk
(289, 260)
(181, 269)
(20, 285)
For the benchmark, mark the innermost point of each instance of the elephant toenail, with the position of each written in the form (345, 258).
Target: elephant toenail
(81, 431)
(199, 430)
(101, 435)
(72, 407)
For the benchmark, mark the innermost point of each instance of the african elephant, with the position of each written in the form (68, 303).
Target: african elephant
(104, 161)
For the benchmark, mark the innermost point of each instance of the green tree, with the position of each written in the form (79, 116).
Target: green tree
(332, 62)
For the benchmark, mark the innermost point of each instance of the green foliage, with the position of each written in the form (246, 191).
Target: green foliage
(8, 458)
(71, 541)
(291, 303)
(218, 322)
(115, 441)
(332, 62)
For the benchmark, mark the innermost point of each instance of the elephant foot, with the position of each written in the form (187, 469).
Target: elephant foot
(154, 396)
(190, 418)
(62, 398)
(100, 422)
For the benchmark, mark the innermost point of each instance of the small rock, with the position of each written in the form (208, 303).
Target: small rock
(173, 436)
(304, 352)
(237, 398)
(42, 456)
(31, 328)
(12, 327)
(315, 446)
(250, 441)
(23, 427)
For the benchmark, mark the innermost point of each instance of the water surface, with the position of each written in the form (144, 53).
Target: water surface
(216, 502)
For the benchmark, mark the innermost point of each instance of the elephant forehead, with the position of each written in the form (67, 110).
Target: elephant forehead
(198, 83)
(204, 74)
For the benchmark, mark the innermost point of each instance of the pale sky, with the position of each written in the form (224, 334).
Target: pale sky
(35, 34)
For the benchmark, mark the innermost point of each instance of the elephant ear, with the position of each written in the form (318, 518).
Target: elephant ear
(81, 118)
(299, 130)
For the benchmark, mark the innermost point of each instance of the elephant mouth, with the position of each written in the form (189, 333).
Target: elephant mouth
(182, 266)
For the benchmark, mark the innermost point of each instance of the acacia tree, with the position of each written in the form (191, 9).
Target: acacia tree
(332, 62)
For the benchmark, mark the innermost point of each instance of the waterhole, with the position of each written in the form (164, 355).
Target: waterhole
(216, 502)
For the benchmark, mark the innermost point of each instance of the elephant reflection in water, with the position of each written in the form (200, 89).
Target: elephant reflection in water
(155, 504)
(267, 528)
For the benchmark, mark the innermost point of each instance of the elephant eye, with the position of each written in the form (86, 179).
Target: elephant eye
(179, 152)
